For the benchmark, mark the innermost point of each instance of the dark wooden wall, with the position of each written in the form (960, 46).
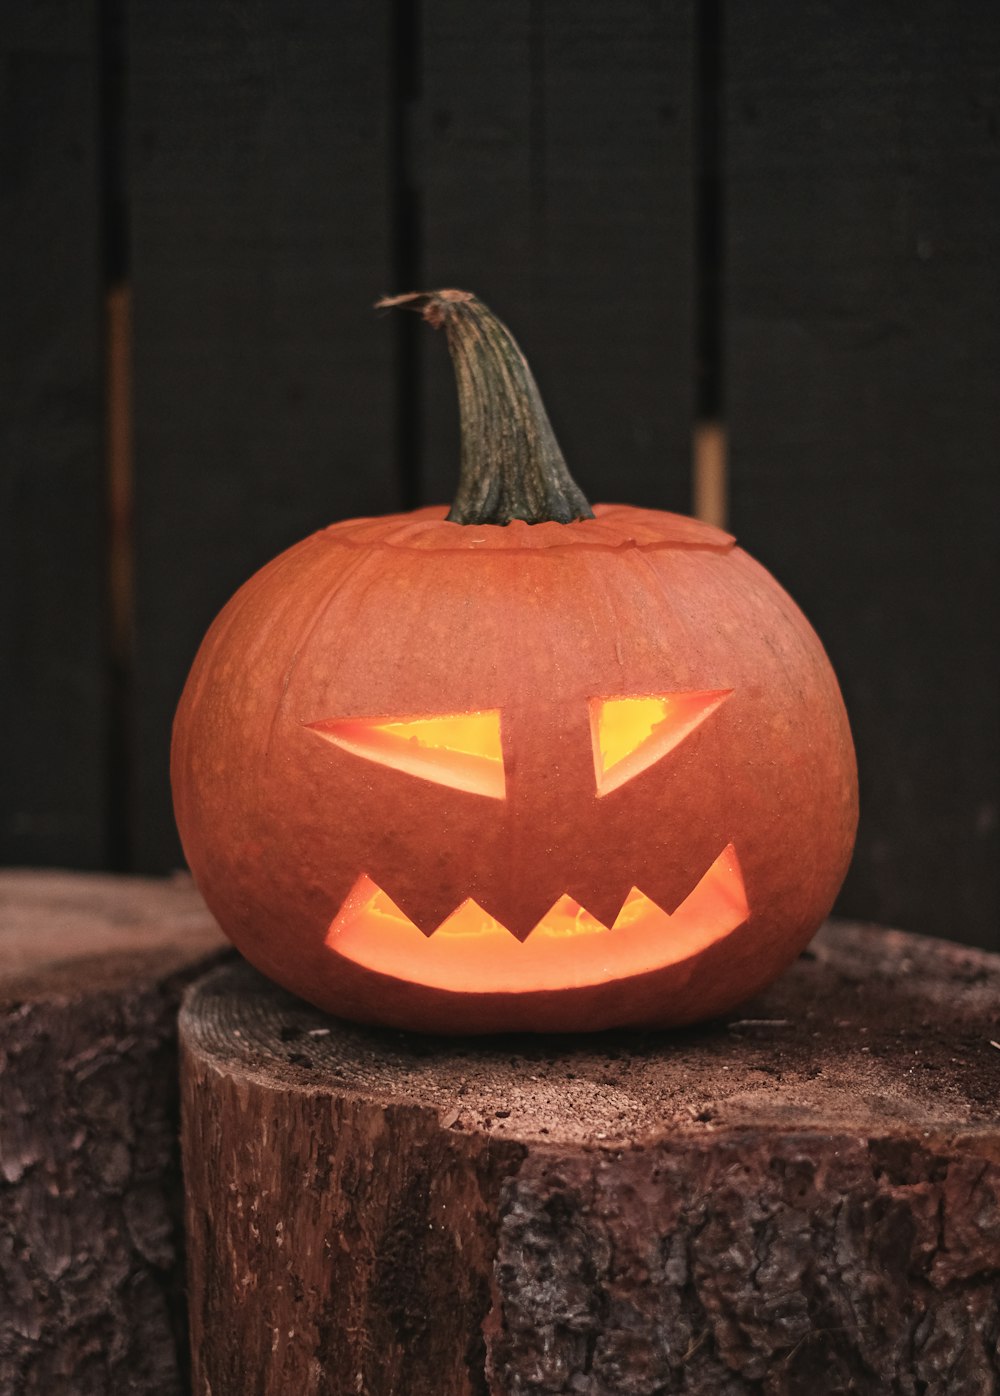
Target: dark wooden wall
(862, 353)
(785, 215)
(54, 735)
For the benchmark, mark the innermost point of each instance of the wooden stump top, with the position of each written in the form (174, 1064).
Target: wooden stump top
(801, 1196)
(72, 933)
(871, 1030)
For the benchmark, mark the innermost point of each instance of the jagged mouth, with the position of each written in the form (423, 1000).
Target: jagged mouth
(471, 952)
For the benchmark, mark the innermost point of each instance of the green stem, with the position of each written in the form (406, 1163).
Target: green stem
(512, 467)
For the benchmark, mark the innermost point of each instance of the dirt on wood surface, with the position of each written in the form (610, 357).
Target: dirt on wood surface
(869, 1027)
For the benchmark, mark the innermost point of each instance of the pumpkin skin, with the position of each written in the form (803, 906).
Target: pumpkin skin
(411, 617)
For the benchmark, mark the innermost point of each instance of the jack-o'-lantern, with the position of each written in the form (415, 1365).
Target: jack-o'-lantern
(523, 765)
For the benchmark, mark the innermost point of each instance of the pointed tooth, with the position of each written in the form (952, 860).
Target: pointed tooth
(517, 906)
(520, 916)
(603, 903)
(428, 910)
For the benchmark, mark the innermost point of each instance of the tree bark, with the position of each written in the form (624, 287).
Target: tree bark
(91, 1264)
(801, 1197)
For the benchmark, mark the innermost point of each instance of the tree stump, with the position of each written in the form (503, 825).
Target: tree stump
(803, 1197)
(91, 1266)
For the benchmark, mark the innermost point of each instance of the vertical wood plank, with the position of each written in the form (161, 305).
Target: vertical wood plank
(53, 778)
(863, 353)
(555, 167)
(263, 381)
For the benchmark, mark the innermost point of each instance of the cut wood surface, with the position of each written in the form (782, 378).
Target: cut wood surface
(91, 1286)
(801, 1197)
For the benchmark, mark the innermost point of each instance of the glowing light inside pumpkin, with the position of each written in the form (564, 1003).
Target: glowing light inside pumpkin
(630, 734)
(471, 952)
(459, 749)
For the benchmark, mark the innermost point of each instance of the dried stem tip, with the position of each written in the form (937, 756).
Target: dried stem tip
(511, 467)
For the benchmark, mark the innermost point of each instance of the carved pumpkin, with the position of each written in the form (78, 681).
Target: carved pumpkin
(527, 766)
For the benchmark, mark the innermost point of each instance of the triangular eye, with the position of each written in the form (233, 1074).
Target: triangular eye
(458, 749)
(630, 734)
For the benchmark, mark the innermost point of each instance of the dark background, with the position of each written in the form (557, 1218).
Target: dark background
(778, 217)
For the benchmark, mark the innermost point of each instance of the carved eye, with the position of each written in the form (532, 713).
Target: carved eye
(458, 749)
(630, 734)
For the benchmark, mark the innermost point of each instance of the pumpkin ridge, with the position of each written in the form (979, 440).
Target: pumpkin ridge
(613, 528)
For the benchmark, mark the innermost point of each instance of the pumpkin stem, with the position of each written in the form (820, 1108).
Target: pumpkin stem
(512, 467)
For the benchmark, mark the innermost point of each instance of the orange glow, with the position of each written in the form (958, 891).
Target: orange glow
(473, 953)
(630, 734)
(460, 749)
